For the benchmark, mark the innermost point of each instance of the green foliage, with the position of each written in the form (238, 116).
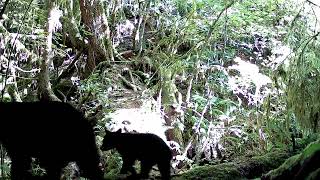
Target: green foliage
(235, 145)
(218, 106)
(93, 84)
(302, 74)
(97, 86)
(25, 16)
(4, 165)
(277, 133)
(113, 165)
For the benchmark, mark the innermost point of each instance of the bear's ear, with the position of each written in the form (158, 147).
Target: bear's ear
(119, 131)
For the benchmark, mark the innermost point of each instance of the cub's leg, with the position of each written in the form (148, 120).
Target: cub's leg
(53, 170)
(127, 166)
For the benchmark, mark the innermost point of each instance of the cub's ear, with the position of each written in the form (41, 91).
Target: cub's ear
(119, 131)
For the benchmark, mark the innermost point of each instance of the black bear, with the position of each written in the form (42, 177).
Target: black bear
(54, 133)
(149, 149)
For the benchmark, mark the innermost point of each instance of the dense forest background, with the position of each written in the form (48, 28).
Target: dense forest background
(233, 86)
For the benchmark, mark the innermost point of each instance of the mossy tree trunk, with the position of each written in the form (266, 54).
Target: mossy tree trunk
(170, 100)
(100, 45)
(71, 25)
(44, 87)
(138, 35)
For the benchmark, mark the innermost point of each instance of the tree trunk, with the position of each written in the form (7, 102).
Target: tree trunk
(171, 105)
(44, 87)
(71, 26)
(95, 20)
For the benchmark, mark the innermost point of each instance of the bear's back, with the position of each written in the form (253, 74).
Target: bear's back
(42, 127)
(143, 145)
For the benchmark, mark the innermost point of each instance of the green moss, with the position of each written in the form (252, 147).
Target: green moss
(223, 171)
(311, 149)
(292, 161)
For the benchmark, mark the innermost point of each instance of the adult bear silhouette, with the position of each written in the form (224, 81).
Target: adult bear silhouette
(54, 133)
(149, 149)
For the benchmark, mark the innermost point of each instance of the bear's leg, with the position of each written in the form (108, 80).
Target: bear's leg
(145, 169)
(54, 170)
(164, 168)
(19, 167)
(89, 168)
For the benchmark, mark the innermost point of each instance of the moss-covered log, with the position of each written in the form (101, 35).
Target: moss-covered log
(301, 166)
(245, 168)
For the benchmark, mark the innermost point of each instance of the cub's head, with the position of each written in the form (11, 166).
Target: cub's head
(110, 140)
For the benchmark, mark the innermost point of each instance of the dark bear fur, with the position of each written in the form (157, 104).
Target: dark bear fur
(149, 149)
(54, 133)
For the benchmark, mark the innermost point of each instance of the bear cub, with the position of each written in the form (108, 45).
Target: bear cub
(149, 149)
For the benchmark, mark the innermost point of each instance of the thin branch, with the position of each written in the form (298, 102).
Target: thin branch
(212, 27)
(188, 96)
(127, 83)
(312, 3)
(26, 71)
(34, 78)
(307, 43)
(315, 16)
